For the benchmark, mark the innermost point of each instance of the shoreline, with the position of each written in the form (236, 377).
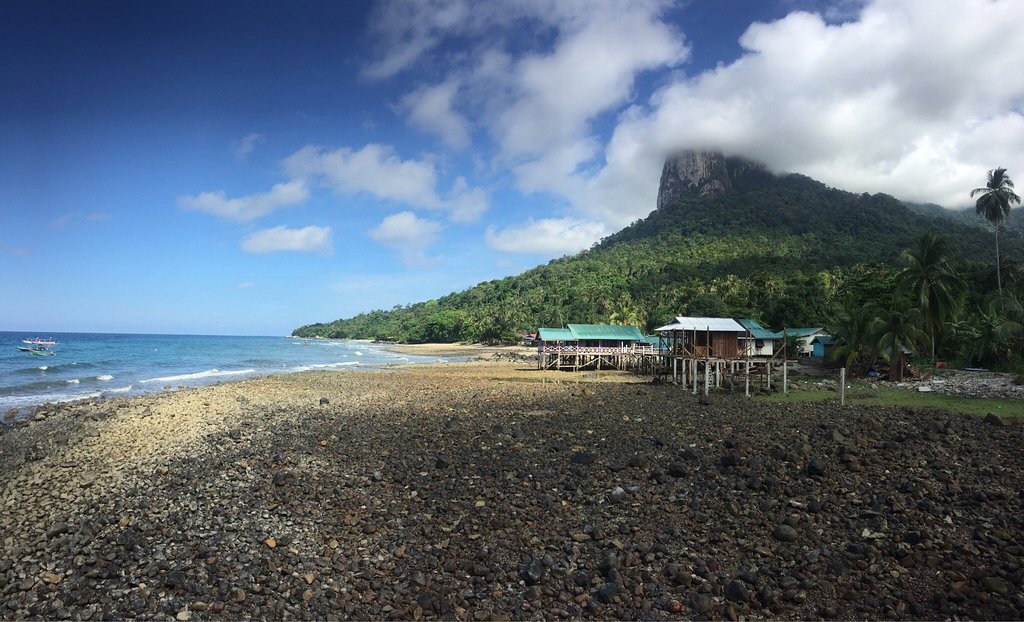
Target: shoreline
(489, 489)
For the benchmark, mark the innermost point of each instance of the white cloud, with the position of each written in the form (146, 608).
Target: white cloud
(912, 99)
(430, 109)
(540, 105)
(599, 51)
(550, 237)
(245, 146)
(245, 285)
(377, 170)
(408, 234)
(405, 31)
(917, 98)
(250, 207)
(305, 240)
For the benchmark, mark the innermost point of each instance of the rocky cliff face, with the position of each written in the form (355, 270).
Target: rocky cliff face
(705, 173)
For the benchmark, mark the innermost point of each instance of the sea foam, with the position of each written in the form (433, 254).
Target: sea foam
(105, 377)
(209, 373)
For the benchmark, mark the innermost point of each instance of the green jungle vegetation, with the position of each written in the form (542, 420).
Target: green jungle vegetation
(787, 251)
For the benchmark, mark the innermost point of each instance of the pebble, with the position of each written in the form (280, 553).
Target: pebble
(159, 517)
(785, 533)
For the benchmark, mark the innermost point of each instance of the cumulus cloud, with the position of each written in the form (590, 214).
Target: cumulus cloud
(249, 207)
(430, 109)
(409, 234)
(379, 171)
(547, 236)
(917, 98)
(912, 98)
(305, 240)
(539, 105)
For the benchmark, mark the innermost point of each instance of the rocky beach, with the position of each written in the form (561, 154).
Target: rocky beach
(489, 490)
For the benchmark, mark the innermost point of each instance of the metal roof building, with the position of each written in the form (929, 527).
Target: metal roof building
(714, 324)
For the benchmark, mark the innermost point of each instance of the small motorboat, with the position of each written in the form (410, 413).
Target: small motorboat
(39, 342)
(38, 350)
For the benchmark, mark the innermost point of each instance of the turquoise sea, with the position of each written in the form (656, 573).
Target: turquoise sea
(86, 365)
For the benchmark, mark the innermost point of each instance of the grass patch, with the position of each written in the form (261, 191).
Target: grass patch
(861, 394)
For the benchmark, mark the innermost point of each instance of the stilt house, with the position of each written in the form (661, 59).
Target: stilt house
(591, 346)
(703, 337)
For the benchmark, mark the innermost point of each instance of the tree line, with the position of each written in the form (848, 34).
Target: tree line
(930, 304)
(787, 252)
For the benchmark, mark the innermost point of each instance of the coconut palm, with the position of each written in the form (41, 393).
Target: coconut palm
(898, 328)
(853, 334)
(626, 312)
(994, 204)
(932, 282)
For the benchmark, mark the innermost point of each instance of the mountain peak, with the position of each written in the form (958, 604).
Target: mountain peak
(704, 173)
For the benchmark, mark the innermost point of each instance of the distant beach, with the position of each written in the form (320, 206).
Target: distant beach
(490, 490)
(90, 365)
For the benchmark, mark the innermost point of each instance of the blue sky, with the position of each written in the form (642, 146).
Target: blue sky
(247, 167)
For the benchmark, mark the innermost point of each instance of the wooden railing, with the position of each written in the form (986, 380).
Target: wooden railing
(601, 350)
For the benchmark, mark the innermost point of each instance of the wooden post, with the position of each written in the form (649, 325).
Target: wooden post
(746, 391)
(842, 386)
(785, 381)
(768, 371)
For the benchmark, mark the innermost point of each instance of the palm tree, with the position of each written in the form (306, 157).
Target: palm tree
(626, 312)
(994, 205)
(930, 278)
(853, 333)
(897, 328)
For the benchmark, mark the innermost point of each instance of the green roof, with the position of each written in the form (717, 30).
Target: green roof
(605, 332)
(825, 340)
(555, 334)
(756, 330)
(799, 332)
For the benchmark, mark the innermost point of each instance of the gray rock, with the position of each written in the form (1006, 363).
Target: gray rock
(816, 467)
(678, 469)
(607, 592)
(737, 592)
(532, 571)
(994, 420)
(784, 533)
(583, 457)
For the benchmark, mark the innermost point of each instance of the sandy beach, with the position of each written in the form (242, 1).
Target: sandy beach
(489, 490)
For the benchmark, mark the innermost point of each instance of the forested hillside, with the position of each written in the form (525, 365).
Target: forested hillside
(783, 250)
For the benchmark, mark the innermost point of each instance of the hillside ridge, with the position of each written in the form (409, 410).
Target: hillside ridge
(727, 238)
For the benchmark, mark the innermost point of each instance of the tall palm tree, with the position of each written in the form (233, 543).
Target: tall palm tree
(898, 328)
(930, 278)
(994, 205)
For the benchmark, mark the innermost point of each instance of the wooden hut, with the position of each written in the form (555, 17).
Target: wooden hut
(703, 337)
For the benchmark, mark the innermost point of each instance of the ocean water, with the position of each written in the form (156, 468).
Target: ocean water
(86, 365)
